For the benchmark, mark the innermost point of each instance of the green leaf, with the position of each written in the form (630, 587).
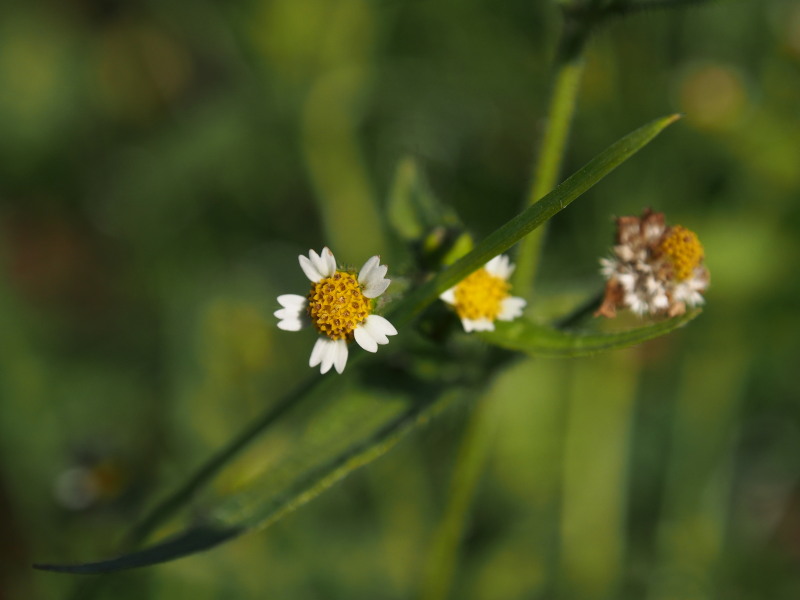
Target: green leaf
(543, 341)
(191, 541)
(528, 220)
(344, 437)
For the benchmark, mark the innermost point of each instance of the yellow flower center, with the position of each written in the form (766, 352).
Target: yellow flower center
(480, 296)
(683, 249)
(336, 305)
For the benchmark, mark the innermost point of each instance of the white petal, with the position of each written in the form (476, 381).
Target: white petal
(290, 324)
(627, 281)
(449, 296)
(374, 332)
(477, 325)
(324, 262)
(379, 324)
(495, 264)
(376, 288)
(484, 325)
(340, 357)
(327, 263)
(318, 351)
(366, 271)
(330, 352)
(379, 328)
(364, 339)
(291, 316)
(500, 267)
(696, 299)
(309, 269)
(372, 278)
(660, 301)
(511, 308)
(287, 313)
(291, 300)
(608, 267)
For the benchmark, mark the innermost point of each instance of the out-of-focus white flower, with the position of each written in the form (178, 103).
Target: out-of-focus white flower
(483, 296)
(654, 270)
(339, 306)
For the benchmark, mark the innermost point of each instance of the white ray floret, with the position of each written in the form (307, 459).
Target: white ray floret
(372, 277)
(374, 332)
(293, 314)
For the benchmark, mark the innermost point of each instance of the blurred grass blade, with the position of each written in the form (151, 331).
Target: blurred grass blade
(543, 341)
(263, 502)
(532, 217)
(191, 541)
(202, 476)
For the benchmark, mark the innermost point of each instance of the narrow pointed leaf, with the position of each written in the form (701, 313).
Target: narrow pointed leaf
(528, 220)
(191, 541)
(282, 490)
(543, 341)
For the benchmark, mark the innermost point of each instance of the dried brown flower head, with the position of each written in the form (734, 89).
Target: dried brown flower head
(655, 269)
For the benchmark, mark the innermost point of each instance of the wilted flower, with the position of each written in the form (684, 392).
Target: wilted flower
(483, 296)
(339, 306)
(655, 269)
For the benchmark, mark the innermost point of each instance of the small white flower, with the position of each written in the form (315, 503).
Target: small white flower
(339, 306)
(655, 269)
(483, 296)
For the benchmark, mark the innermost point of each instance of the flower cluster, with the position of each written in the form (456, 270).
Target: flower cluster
(655, 269)
(339, 306)
(482, 298)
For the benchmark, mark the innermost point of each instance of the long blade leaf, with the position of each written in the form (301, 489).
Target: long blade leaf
(534, 216)
(543, 341)
(240, 513)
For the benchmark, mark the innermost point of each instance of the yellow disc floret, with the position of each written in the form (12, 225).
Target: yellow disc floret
(336, 305)
(683, 249)
(480, 296)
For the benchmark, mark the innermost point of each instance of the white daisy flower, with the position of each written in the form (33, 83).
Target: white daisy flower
(655, 269)
(483, 296)
(339, 306)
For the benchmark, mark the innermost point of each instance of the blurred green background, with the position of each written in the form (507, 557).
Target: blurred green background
(162, 164)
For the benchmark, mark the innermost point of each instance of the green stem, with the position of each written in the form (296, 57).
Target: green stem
(548, 165)
(580, 19)
(472, 456)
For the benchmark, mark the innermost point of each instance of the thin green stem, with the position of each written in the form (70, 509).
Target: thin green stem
(548, 164)
(472, 455)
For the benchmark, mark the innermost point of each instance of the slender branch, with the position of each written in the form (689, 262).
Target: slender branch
(472, 456)
(548, 166)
